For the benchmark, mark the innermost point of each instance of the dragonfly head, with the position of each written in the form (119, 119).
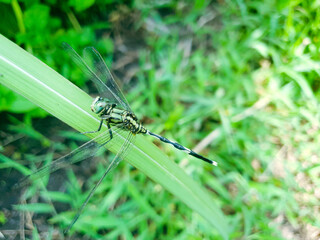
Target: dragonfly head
(99, 104)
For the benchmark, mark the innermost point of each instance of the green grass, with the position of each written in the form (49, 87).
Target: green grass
(239, 78)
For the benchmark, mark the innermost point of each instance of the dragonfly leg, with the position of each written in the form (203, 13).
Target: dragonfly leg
(110, 133)
(99, 128)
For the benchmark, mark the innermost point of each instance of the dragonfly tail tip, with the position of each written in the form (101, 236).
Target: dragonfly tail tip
(214, 163)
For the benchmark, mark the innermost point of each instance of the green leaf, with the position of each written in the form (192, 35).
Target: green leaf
(8, 163)
(35, 207)
(81, 5)
(3, 218)
(56, 196)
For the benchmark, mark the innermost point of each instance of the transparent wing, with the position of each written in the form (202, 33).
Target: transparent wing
(99, 74)
(87, 150)
(104, 74)
(127, 146)
(120, 155)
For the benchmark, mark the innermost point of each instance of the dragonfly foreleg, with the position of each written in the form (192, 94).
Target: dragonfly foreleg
(103, 117)
(110, 133)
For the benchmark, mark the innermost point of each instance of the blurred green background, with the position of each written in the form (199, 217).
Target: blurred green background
(237, 81)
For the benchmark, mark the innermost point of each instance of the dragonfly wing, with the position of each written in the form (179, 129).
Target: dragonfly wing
(126, 147)
(96, 70)
(87, 150)
(120, 155)
(91, 55)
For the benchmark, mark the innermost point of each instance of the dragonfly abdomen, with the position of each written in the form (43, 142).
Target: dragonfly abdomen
(182, 148)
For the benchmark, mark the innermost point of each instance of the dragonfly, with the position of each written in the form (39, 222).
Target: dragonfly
(113, 109)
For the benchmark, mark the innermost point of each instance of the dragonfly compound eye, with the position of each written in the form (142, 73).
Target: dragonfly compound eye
(98, 105)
